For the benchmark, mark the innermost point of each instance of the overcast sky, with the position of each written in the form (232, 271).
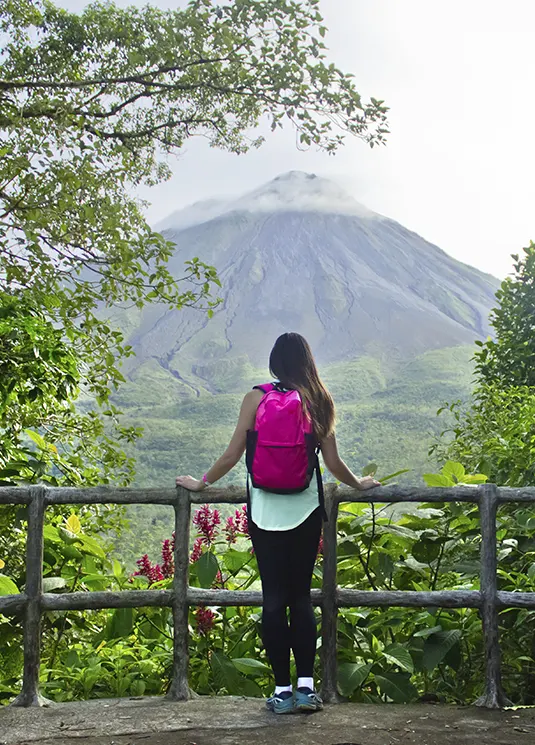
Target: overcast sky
(459, 76)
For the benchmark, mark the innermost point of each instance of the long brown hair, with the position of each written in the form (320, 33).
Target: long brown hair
(292, 363)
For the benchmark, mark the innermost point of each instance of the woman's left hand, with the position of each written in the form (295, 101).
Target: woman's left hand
(189, 483)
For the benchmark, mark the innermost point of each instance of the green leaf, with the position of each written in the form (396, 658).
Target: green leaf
(73, 525)
(397, 686)
(385, 565)
(437, 479)
(454, 471)
(121, 624)
(250, 666)
(251, 688)
(426, 550)
(72, 659)
(52, 584)
(138, 687)
(476, 478)
(90, 545)
(51, 534)
(226, 675)
(118, 570)
(399, 655)
(70, 552)
(67, 536)
(35, 437)
(7, 586)
(207, 568)
(428, 632)
(437, 646)
(235, 560)
(391, 476)
(351, 676)
(96, 581)
(370, 469)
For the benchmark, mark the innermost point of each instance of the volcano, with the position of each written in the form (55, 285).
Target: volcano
(300, 254)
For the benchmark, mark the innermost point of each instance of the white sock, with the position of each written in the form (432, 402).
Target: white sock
(282, 689)
(305, 683)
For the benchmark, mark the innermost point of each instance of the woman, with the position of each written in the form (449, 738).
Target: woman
(285, 527)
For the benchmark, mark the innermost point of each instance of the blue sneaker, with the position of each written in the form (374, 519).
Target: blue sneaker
(307, 700)
(281, 703)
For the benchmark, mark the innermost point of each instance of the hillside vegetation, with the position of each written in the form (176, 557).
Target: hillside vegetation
(386, 414)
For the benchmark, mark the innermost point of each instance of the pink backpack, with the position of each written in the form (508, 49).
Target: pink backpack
(282, 451)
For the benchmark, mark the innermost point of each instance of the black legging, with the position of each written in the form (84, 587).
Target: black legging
(286, 561)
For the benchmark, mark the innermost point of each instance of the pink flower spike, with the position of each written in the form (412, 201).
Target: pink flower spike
(231, 530)
(242, 523)
(204, 618)
(156, 574)
(145, 567)
(207, 521)
(168, 563)
(196, 551)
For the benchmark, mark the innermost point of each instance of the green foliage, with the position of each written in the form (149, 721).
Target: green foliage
(453, 473)
(117, 89)
(43, 436)
(495, 433)
(508, 360)
(7, 586)
(392, 654)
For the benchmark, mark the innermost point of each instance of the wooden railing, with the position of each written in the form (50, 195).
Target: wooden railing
(33, 602)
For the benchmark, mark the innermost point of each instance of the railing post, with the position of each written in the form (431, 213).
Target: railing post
(30, 695)
(494, 697)
(329, 609)
(179, 688)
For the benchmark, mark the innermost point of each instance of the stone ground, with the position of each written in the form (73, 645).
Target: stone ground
(239, 721)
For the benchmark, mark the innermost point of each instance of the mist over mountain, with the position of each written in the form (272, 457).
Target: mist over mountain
(301, 254)
(294, 190)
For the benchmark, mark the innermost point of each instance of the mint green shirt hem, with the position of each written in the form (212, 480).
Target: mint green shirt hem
(271, 511)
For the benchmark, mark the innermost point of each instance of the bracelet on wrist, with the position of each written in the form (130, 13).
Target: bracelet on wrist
(205, 481)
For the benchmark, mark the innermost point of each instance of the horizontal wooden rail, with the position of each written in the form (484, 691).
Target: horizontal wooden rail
(33, 602)
(14, 604)
(236, 495)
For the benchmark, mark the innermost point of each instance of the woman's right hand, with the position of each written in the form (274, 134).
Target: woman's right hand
(189, 483)
(368, 482)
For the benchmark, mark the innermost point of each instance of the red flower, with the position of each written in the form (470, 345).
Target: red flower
(237, 525)
(204, 618)
(320, 546)
(144, 565)
(152, 573)
(168, 562)
(207, 521)
(230, 530)
(196, 551)
(242, 523)
(156, 574)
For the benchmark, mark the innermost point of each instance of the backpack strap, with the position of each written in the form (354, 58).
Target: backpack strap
(321, 493)
(265, 388)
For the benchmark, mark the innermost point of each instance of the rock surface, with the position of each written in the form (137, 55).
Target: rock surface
(238, 721)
